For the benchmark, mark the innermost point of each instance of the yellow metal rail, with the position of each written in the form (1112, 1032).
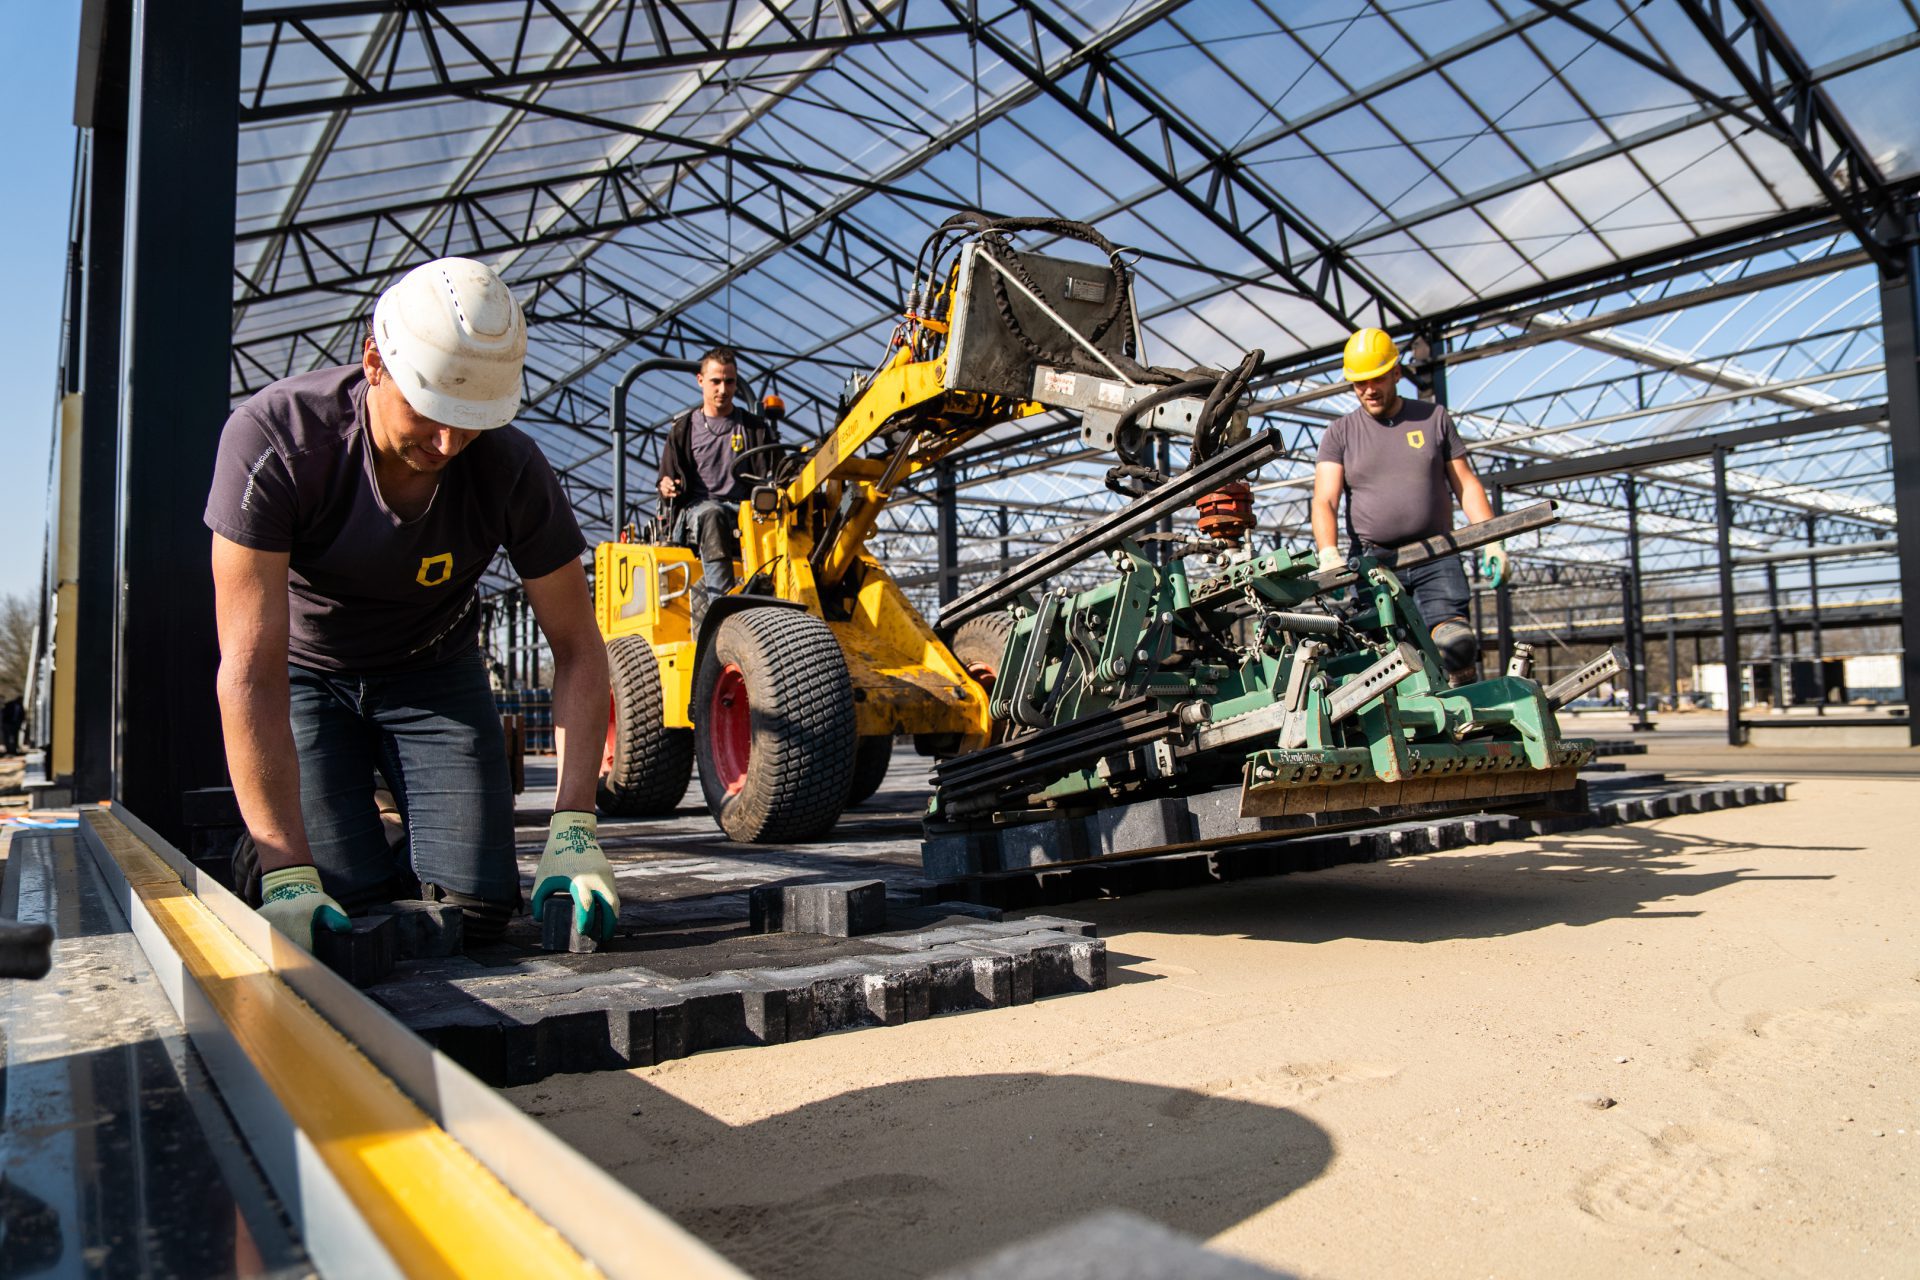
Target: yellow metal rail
(419, 1195)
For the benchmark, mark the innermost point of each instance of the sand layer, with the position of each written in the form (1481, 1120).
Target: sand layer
(1689, 1047)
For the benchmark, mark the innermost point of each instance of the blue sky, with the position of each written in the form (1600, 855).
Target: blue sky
(36, 98)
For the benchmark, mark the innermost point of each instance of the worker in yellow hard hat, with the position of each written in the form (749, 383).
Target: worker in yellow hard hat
(1401, 465)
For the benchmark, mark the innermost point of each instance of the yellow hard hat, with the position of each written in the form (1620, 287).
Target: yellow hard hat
(1369, 353)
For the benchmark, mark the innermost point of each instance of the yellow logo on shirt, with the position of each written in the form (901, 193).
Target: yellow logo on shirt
(435, 570)
(1416, 439)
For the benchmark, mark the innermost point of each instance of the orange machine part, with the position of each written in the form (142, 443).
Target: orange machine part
(1227, 512)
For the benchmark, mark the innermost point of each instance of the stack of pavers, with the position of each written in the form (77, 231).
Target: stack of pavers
(1613, 798)
(820, 957)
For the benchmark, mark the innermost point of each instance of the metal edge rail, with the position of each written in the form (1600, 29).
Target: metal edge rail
(391, 1159)
(1228, 465)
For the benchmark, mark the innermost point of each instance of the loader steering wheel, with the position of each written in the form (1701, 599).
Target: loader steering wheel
(773, 450)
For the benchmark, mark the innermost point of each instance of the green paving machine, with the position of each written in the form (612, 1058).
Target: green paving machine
(1212, 693)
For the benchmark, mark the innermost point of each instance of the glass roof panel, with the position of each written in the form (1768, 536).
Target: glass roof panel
(1702, 173)
(1354, 43)
(1552, 107)
(1404, 266)
(1832, 29)
(1881, 103)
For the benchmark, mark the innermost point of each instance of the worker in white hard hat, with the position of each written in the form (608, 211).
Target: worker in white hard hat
(1400, 465)
(353, 512)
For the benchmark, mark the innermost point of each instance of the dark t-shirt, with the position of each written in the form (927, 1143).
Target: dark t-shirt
(1396, 471)
(369, 592)
(711, 440)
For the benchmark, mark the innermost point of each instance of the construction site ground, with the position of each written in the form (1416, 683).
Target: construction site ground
(1685, 1046)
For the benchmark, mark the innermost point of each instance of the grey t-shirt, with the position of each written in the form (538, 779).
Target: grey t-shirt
(370, 593)
(711, 440)
(1396, 471)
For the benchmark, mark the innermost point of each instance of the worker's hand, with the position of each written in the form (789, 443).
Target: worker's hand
(669, 487)
(1331, 559)
(573, 864)
(1493, 564)
(293, 902)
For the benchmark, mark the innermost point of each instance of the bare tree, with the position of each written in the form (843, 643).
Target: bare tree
(17, 618)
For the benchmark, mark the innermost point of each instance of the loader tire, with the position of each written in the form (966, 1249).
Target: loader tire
(870, 760)
(979, 642)
(645, 768)
(773, 726)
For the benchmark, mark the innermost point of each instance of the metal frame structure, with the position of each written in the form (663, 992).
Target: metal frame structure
(1598, 228)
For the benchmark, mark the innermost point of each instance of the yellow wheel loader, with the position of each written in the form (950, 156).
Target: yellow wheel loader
(788, 693)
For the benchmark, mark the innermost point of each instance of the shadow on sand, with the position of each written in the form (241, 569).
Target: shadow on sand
(909, 1178)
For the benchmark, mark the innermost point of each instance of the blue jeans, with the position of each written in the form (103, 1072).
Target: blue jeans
(1438, 587)
(435, 737)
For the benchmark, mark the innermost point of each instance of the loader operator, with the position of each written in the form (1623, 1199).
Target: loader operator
(353, 512)
(1400, 464)
(696, 468)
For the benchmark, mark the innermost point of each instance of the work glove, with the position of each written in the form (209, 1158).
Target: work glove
(293, 902)
(1332, 559)
(573, 864)
(1493, 564)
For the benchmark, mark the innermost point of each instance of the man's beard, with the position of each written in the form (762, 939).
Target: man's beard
(426, 469)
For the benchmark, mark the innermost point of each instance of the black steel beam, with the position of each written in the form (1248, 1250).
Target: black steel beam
(1668, 262)
(1106, 99)
(93, 704)
(1729, 623)
(182, 143)
(947, 531)
(339, 251)
(820, 236)
(1683, 450)
(429, 55)
(1684, 502)
(1900, 329)
(1661, 306)
(1791, 106)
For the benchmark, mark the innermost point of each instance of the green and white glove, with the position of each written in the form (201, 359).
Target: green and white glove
(293, 902)
(1493, 563)
(1330, 559)
(573, 864)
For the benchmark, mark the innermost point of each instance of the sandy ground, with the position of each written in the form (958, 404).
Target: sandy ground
(1685, 1048)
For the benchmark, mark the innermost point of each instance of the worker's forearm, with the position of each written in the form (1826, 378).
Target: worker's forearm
(580, 721)
(264, 767)
(1473, 501)
(1326, 525)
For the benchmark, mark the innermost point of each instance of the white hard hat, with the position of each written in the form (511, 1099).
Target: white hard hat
(454, 340)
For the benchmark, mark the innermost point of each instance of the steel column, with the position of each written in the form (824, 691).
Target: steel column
(947, 533)
(93, 700)
(1813, 613)
(1897, 326)
(1729, 635)
(177, 311)
(1633, 607)
(1777, 694)
(1503, 596)
(1673, 667)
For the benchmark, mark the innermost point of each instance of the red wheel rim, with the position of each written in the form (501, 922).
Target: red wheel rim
(730, 729)
(613, 738)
